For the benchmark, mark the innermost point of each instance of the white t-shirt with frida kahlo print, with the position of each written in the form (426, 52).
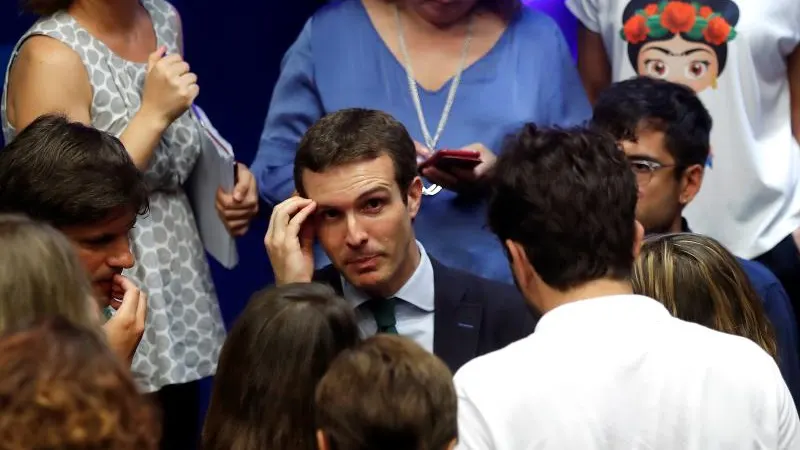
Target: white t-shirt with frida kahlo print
(734, 55)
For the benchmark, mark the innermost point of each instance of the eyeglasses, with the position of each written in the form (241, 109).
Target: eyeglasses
(644, 169)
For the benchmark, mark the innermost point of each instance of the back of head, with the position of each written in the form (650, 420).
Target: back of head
(628, 106)
(40, 275)
(62, 388)
(271, 361)
(568, 198)
(700, 281)
(389, 394)
(65, 173)
(353, 135)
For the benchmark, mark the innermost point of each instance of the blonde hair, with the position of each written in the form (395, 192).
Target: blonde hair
(699, 281)
(41, 276)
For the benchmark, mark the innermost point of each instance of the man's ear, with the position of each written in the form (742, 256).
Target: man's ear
(521, 267)
(691, 181)
(414, 197)
(638, 238)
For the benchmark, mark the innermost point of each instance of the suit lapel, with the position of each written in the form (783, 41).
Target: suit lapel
(457, 320)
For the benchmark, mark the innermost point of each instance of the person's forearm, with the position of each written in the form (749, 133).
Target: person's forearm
(141, 137)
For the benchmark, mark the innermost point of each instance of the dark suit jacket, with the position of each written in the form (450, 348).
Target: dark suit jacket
(472, 315)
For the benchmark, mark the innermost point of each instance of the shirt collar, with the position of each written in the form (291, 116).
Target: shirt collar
(418, 290)
(613, 311)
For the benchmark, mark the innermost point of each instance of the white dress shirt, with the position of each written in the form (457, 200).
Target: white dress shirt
(620, 372)
(414, 309)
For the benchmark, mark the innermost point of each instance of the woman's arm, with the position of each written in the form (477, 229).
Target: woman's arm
(593, 63)
(295, 106)
(794, 88)
(48, 77)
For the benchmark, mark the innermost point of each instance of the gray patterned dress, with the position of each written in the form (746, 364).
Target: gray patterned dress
(184, 330)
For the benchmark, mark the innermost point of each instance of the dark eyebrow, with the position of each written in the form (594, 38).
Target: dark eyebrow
(662, 50)
(686, 53)
(638, 157)
(361, 197)
(695, 50)
(373, 191)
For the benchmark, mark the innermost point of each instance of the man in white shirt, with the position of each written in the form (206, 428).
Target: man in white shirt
(742, 57)
(605, 369)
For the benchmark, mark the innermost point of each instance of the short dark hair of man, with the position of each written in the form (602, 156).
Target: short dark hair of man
(387, 393)
(68, 174)
(568, 198)
(645, 103)
(354, 135)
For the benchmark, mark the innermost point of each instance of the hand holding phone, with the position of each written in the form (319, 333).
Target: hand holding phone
(447, 160)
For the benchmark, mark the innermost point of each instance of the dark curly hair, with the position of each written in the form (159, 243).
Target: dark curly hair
(61, 387)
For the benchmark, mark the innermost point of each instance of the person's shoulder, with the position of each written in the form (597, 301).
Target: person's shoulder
(718, 350)
(479, 369)
(534, 23)
(760, 276)
(338, 10)
(500, 293)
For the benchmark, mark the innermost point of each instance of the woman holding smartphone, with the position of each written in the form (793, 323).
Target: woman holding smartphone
(460, 75)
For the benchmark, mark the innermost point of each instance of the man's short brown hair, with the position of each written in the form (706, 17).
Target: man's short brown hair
(354, 135)
(387, 393)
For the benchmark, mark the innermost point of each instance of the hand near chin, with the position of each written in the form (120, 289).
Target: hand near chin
(290, 239)
(125, 329)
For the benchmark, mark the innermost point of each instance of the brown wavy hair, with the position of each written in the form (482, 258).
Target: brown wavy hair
(272, 360)
(61, 388)
(700, 281)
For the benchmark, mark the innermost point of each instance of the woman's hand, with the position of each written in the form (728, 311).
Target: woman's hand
(463, 180)
(238, 207)
(170, 87)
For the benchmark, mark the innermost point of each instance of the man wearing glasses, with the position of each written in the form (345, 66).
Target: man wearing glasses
(664, 130)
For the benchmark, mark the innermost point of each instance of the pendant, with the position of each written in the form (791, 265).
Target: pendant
(431, 190)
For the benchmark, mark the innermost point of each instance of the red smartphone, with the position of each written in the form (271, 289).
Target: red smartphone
(447, 160)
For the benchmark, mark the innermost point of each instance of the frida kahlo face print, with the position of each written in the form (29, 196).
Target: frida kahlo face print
(680, 41)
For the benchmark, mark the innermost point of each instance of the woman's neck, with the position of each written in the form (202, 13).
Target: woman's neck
(422, 25)
(109, 16)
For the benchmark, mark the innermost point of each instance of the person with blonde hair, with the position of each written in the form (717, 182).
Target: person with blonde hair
(699, 281)
(41, 276)
(62, 388)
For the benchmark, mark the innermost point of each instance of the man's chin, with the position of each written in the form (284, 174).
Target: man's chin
(102, 295)
(366, 281)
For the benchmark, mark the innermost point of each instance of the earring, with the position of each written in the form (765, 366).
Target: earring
(713, 82)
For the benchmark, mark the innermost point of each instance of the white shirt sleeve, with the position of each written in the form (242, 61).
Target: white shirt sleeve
(587, 11)
(473, 431)
(788, 421)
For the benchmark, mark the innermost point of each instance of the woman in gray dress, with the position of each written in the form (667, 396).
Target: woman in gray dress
(118, 67)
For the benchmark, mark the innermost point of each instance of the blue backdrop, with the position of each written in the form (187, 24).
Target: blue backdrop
(235, 47)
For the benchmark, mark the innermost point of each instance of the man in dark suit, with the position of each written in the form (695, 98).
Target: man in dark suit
(358, 193)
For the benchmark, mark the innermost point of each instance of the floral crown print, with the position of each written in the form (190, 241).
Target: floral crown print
(657, 20)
